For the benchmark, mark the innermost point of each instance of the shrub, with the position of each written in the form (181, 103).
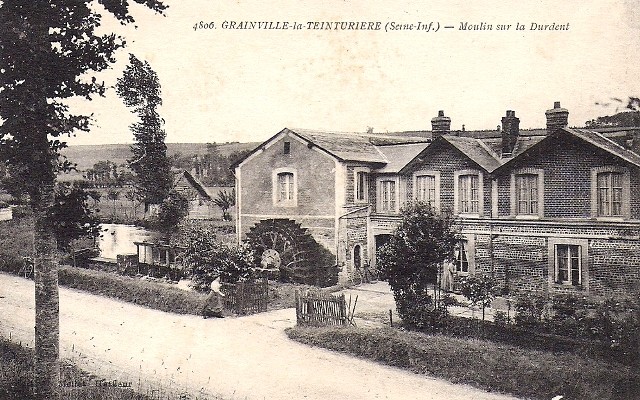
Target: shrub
(172, 211)
(479, 289)
(410, 260)
(530, 310)
(206, 257)
(501, 318)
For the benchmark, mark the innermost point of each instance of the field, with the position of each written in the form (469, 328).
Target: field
(86, 156)
(123, 209)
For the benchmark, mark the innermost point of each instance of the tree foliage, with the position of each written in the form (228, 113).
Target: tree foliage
(629, 117)
(411, 257)
(480, 290)
(72, 218)
(207, 257)
(173, 209)
(49, 51)
(225, 200)
(139, 88)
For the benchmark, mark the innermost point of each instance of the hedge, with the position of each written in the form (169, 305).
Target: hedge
(133, 290)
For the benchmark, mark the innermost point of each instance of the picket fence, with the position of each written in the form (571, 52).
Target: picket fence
(315, 308)
(246, 297)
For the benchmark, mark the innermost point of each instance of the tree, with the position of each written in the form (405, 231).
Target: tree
(113, 195)
(480, 289)
(225, 200)
(411, 257)
(630, 117)
(71, 216)
(139, 88)
(172, 211)
(49, 51)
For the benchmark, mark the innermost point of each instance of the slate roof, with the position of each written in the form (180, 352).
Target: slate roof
(599, 140)
(350, 146)
(476, 150)
(399, 155)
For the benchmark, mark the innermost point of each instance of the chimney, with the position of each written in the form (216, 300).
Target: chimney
(440, 125)
(557, 118)
(510, 131)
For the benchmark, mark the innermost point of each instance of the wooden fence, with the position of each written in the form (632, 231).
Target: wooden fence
(316, 308)
(245, 297)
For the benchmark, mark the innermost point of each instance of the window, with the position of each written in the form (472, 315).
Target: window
(287, 147)
(284, 187)
(609, 194)
(461, 257)
(568, 263)
(426, 189)
(361, 185)
(468, 194)
(388, 195)
(357, 256)
(527, 194)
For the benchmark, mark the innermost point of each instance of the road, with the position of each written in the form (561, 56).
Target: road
(234, 358)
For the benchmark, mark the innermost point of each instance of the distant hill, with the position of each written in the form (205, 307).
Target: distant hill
(85, 156)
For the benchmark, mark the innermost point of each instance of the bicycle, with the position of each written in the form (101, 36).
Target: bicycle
(366, 274)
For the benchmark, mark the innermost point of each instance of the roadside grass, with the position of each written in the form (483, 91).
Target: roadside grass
(17, 374)
(133, 290)
(16, 241)
(494, 367)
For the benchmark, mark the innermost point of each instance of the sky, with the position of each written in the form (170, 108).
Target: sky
(246, 85)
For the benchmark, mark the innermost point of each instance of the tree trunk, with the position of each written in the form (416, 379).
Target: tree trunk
(47, 329)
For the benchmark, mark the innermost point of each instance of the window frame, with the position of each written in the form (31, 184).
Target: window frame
(515, 195)
(625, 208)
(380, 190)
(436, 176)
(583, 263)
(457, 175)
(275, 189)
(367, 174)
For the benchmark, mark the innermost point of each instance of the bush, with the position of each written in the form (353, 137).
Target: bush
(530, 310)
(206, 257)
(133, 290)
(479, 289)
(410, 260)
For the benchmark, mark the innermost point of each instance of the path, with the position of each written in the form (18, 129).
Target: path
(238, 358)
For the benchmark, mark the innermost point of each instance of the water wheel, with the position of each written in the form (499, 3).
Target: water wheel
(283, 245)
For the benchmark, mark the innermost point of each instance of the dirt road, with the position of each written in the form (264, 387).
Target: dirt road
(236, 358)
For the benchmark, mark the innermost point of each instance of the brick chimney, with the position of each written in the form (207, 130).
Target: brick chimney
(510, 132)
(440, 125)
(557, 118)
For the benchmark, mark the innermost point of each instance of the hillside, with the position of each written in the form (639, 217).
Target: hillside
(86, 156)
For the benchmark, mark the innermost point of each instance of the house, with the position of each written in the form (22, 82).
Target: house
(200, 202)
(555, 209)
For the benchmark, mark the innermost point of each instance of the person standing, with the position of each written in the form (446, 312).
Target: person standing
(213, 304)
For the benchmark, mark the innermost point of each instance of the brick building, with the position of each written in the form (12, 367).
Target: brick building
(555, 209)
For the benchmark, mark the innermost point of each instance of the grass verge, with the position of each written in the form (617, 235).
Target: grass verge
(495, 367)
(133, 290)
(16, 377)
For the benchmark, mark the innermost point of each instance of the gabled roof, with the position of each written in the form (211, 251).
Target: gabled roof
(196, 184)
(592, 137)
(346, 146)
(476, 150)
(399, 155)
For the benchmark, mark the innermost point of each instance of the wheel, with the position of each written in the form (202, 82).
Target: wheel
(284, 245)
